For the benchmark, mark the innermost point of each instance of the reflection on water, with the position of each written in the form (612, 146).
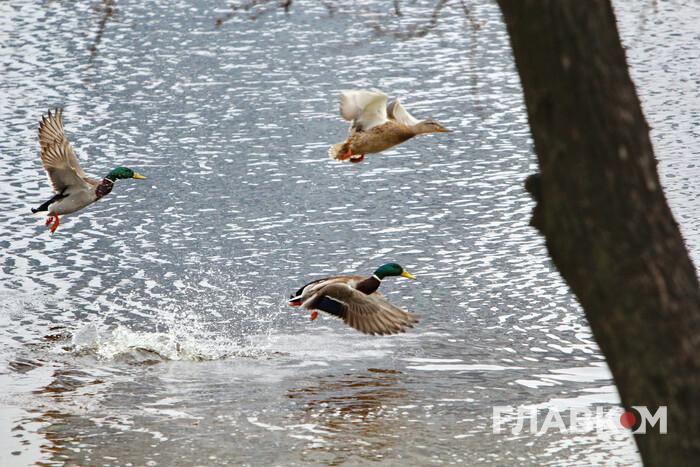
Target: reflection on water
(152, 328)
(351, 416)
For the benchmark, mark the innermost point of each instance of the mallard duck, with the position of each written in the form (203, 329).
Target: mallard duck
(376, 125)
(73, 189)
(355, 300)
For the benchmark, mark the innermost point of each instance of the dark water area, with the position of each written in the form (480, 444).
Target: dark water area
(152, 328)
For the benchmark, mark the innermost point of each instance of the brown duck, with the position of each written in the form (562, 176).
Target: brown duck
(376, 125)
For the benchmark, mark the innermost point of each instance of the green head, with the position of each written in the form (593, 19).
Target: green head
(121, 173)
(392, 269)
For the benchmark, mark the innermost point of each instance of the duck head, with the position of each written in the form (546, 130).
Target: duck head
(121, 173)
(392, 269)
(429, 126)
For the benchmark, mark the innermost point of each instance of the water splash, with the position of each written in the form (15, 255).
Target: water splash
(124, 344)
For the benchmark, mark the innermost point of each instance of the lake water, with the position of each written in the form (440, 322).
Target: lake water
(152, 328)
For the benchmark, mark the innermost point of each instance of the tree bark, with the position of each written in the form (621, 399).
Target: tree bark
(602, 211)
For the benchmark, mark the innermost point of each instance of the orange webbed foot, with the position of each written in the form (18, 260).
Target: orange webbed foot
(56, 223)
(49, 220)
(346, 155)
(314, 315)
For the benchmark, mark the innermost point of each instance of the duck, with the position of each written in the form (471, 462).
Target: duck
(357, 301)
(377, 125)
(73, 189)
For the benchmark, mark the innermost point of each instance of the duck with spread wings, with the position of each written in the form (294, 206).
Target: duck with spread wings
(356, 300)
(377, 125)
(73, 189)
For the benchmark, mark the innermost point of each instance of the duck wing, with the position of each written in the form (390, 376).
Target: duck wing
(308, 290)
(398, 112)
(366, 109)
(56, 162)
(371, 314)
(58, 157)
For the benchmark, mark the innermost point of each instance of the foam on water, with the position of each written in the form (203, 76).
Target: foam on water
(144, 347)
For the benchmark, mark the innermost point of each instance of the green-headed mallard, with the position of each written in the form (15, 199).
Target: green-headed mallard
(376, 125)
(355, 300)
(74, 189)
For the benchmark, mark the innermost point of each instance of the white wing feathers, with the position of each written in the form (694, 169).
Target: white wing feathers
(366, 109)
(397, 112)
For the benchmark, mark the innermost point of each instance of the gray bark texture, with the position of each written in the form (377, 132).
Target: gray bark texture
(603, 213)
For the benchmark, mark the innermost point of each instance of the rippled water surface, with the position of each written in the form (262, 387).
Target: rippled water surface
(152, 328)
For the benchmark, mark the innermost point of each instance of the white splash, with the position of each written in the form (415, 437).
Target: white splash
(122, 343)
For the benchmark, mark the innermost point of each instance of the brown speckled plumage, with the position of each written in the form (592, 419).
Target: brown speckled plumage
(376, 124)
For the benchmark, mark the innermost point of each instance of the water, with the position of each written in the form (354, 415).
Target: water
(152, 328)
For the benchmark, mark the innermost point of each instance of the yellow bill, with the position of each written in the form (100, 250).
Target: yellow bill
(138, 176)
(408, 275)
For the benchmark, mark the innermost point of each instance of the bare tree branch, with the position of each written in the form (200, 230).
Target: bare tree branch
(109, 11)
(256, 8)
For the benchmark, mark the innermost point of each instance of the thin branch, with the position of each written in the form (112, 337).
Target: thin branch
(256, 8)
(414, 31)
(475, 24)
(109, 10)
(262, 7)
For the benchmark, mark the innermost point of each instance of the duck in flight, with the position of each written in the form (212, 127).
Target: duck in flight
(377, 125)
(356, 300)
(73, 189)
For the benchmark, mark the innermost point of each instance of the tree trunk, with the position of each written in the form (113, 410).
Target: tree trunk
(604, 215)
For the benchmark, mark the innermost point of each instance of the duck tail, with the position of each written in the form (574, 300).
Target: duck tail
(45, 206)
(338, 150)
